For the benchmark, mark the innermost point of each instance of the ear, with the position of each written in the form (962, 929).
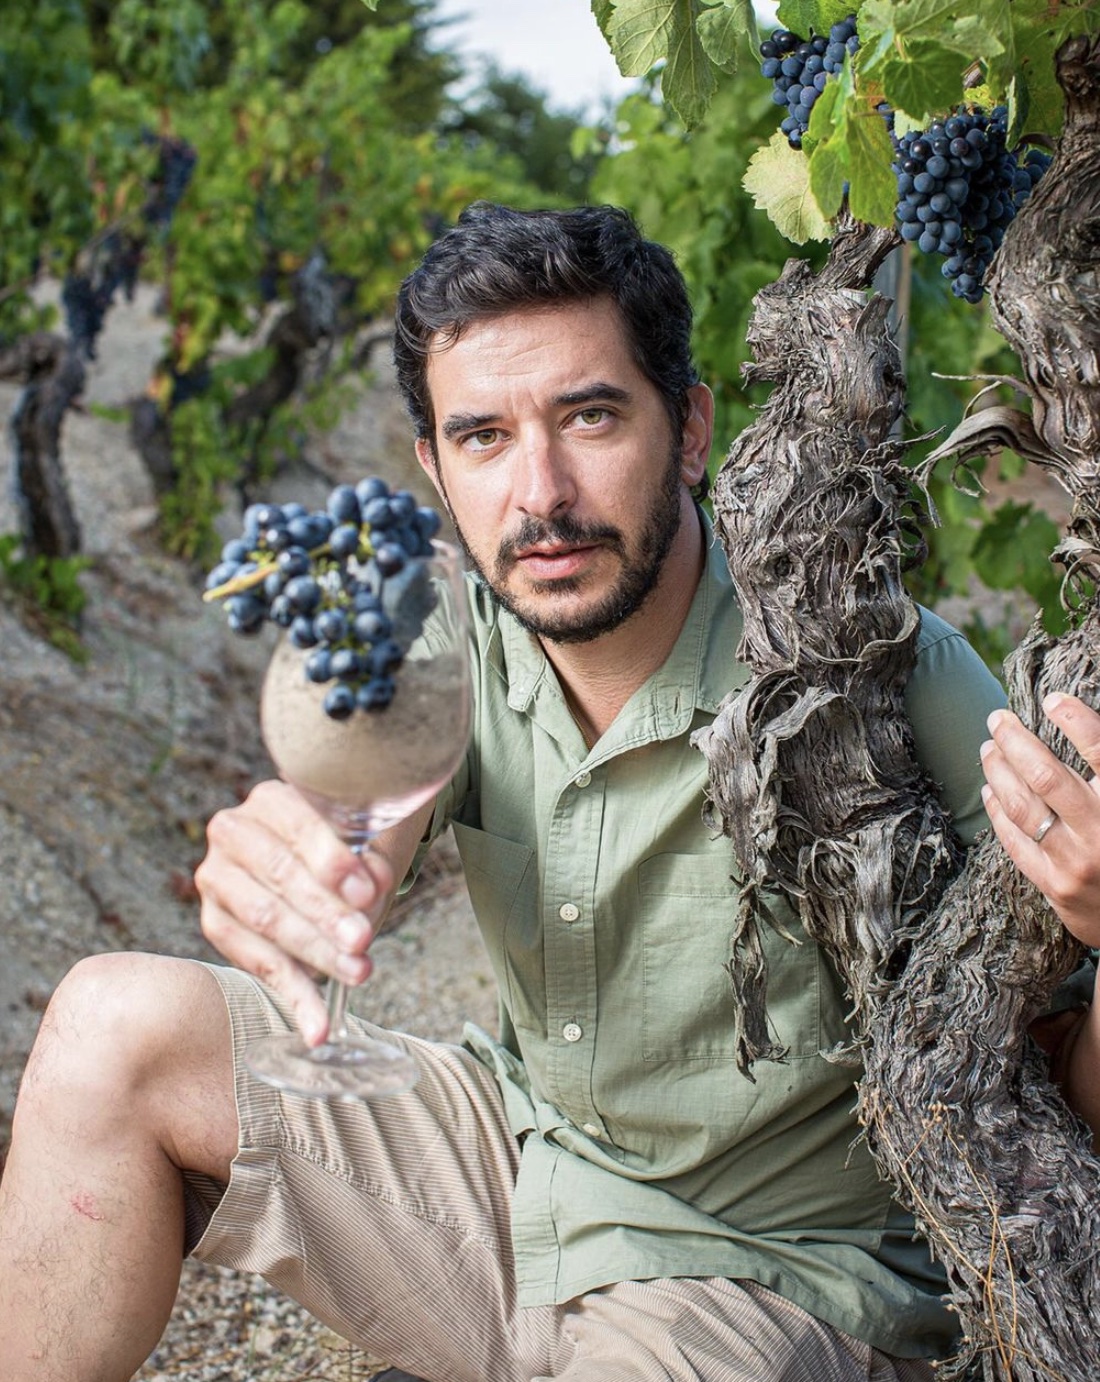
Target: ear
(428, 463)
(698, 431)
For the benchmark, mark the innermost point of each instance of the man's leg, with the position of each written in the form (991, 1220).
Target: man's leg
(130, 1080)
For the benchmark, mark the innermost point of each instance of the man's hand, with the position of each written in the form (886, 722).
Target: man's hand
(284, 899)
(1046, 815)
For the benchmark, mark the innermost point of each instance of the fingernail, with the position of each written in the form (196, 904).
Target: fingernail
(986, 748)
(352, 931)
(357, 891)
(995, 719)
(353, 969)
(1052, 701)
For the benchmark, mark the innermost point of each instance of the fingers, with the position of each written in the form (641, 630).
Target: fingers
(1045, 814)
(1079, 723)
(284, 898)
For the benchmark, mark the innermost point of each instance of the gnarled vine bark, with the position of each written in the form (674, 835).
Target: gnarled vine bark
(813, 776)
(52, 374)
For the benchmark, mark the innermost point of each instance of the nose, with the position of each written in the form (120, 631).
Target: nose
(545, 484)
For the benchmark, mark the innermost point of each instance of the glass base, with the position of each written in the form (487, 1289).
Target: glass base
(352, 1068)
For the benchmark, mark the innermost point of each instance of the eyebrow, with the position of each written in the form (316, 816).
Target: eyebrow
(600, 391)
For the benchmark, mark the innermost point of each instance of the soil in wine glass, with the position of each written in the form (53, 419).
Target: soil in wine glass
(403, 753)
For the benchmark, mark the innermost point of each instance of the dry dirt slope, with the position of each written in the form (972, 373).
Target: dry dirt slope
(108, 772)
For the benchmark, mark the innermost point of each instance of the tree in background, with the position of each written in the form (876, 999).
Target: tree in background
(506, 113)
(266, 162)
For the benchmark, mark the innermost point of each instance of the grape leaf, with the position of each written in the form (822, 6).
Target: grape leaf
(602, 9)
(927, 81)
(778, 180)
(873, 192)
(828, 176)
(721, 28)
(643, 33)
(688, 80)
(818, 16)
(640, 32)
(1010, 549)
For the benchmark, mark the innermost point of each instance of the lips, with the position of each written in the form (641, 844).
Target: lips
(557, 562)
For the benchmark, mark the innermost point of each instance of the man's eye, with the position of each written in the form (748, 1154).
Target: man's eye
(481, 441)
(591, 416)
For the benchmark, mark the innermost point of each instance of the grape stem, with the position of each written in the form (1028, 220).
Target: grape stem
(237, 585)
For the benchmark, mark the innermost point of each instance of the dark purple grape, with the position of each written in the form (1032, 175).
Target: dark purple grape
(339, 701)
(376, 693)
(346, 664)
(389, 558)
(304, 594)
(344, 541)
(343, 505)
(330, 626)
(319, 665)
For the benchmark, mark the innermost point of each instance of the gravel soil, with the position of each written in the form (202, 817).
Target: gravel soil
(109, 771)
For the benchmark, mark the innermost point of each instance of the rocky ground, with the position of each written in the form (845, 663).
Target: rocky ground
(110, 769)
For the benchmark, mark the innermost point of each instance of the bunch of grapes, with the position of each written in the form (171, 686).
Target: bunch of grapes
(85, 304)
(175, 167)
(349, 583)
(959, 188)
(799, 69)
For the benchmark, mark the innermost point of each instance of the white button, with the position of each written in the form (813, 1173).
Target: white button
(569, 911)
(582, 779)
(572, 1032)
(591, 1130)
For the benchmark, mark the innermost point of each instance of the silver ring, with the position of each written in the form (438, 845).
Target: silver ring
(1048, 821)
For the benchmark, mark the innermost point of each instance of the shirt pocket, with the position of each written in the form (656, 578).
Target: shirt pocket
(503, 887)
(687, 905)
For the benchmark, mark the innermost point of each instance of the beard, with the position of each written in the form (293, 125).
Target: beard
(637, 577)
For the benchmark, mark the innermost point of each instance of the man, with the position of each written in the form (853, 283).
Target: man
(598, 1194)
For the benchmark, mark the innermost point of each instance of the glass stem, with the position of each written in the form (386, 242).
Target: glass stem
(336, 999)
(336, 994)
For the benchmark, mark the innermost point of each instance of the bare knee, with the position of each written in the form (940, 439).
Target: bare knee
(138, 1045)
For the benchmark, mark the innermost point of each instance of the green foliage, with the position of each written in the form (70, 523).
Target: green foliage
(919, 55)
(209, 462)
(508, 116)
(45, 75)
(47, 591)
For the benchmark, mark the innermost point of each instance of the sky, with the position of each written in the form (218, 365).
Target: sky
(556, 44)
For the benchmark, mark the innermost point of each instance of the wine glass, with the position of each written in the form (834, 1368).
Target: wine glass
(365, 773)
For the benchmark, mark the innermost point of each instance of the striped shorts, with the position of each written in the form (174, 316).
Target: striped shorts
(391, 1222)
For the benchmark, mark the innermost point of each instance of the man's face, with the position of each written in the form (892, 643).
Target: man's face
(555, 456)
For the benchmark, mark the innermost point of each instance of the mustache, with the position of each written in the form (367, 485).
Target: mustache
(568, 531)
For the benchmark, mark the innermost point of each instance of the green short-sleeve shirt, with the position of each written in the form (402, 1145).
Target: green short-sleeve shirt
(606, 908)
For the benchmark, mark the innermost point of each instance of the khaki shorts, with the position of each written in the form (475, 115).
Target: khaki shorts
(391, 1222)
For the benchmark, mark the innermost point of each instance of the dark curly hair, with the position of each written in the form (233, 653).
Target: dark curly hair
(497, 259)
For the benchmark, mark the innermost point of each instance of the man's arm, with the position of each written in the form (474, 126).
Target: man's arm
(285, 899)
(1048, 818)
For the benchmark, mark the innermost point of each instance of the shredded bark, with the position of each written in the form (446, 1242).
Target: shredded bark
(52, 373)
(814, 779)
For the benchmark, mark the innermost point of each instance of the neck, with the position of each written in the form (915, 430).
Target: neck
(598, 678)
